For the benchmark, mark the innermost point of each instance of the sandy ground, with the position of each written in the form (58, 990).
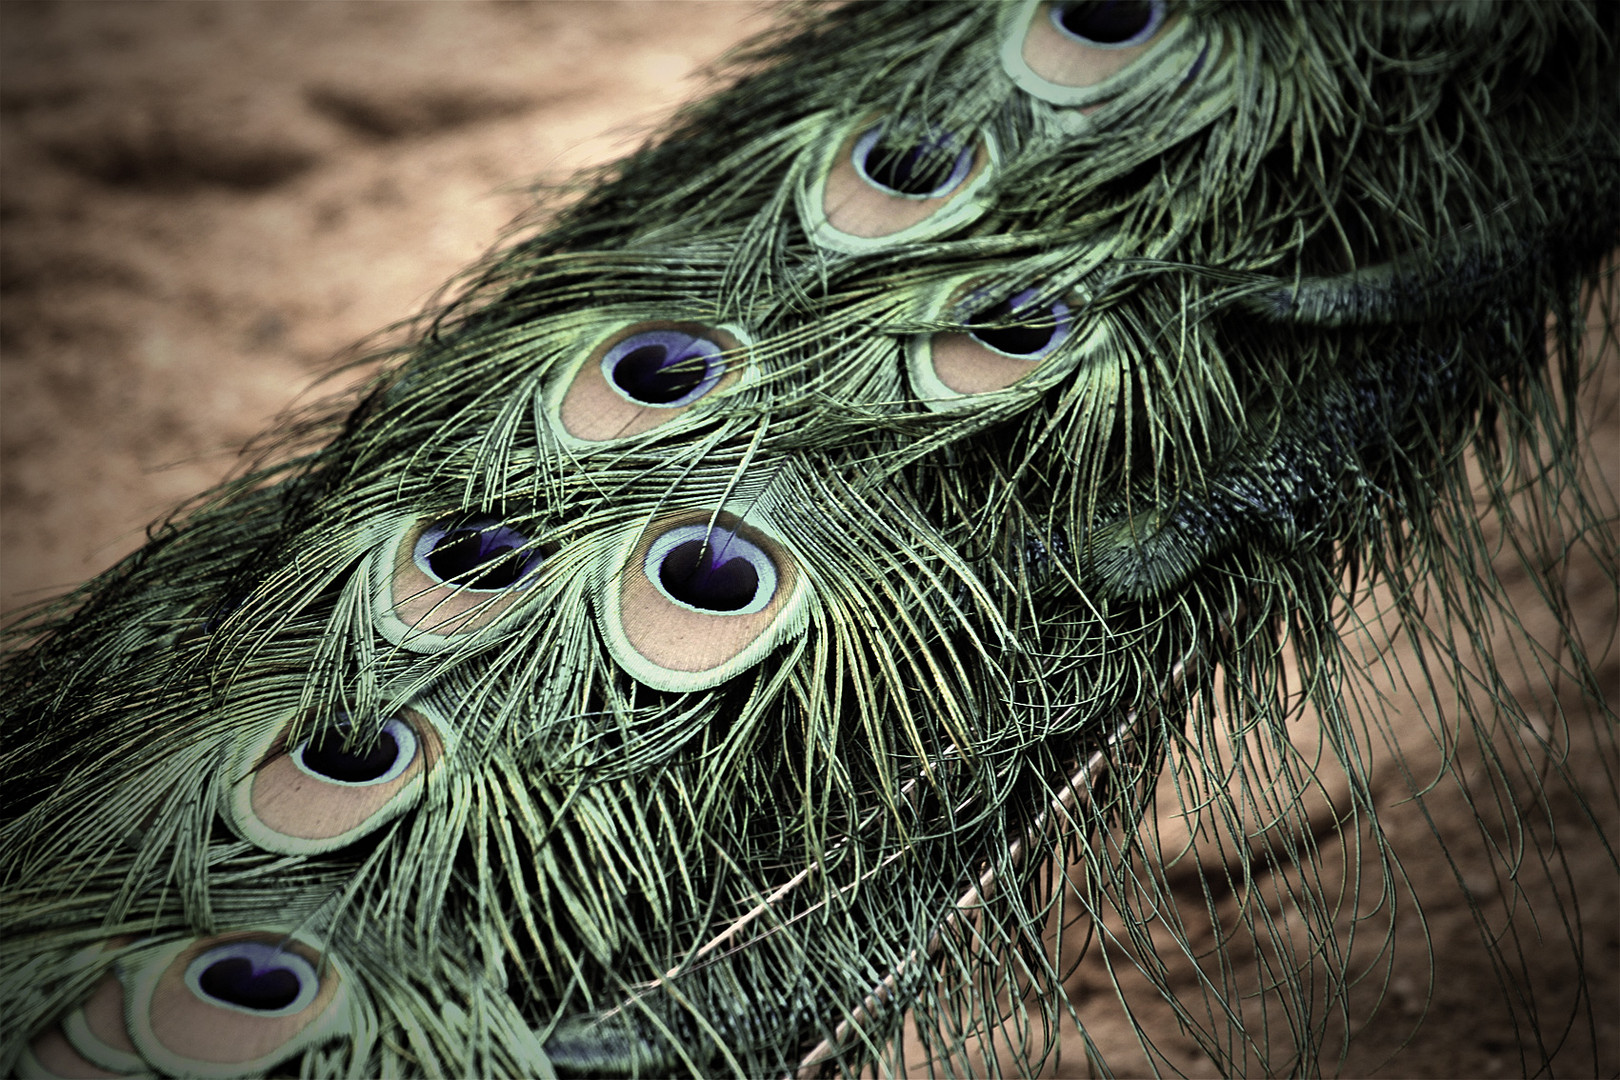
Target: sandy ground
(204, 204)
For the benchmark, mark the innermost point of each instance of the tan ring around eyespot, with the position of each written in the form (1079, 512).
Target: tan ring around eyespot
(190, 1028)
(97, 1027)
(1068, 63)
(856, 208)
(290, 802)
(952, 364)
(55, 1055)
(592, 411)
(429, 606)
(677, 638)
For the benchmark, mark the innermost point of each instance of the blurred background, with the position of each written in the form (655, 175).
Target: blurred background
(204, 206)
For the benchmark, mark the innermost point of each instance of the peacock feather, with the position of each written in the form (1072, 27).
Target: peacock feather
(939, 512)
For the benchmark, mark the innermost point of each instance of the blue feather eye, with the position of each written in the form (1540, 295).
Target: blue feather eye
(889, 180)
(993, 345)
(665, 369)
(476, 553)
(326, 757)
(440, 578)
(253, 977)
(1108, 24)
(234, 1005)
(1017, 328)
(1069, 52)
(712, 570)
(929, 169)
(642, 377)
(695, 598)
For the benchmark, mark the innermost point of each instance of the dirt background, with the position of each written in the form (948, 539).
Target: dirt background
(204, 204)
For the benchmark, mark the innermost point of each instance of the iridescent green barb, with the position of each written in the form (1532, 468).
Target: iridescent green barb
(686, 655)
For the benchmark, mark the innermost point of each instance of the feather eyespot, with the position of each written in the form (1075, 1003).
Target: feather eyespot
(698, 597)
(253, 977)
(328, 757)
(233, 1004)
(641, 377)
(664, 369)
(1108, 24)
(711, 570)
(1000, 344)
(331, 787)
(476, 553)
(1068, 52)
(442, 579)
(930, 168)
(1019, 328)
(882, 184)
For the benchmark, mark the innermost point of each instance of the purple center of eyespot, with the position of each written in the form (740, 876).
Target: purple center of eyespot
(663, 368)
(237, 982)
(476, 553)
(926, 169)
(712, 570)
(1109, 23)
(695, 573)
(1015, 327)
(253, 977)
(328, 754)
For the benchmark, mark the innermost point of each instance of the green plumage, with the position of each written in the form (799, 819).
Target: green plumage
(1296, 269)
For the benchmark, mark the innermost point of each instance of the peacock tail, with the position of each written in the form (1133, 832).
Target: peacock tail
(978, 432)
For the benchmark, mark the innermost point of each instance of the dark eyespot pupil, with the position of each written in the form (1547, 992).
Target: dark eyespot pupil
(476, 559)
(649, 374)
(1017, 340)
(235, 981)
(1107, 22)
(690, 575)
(913, 170)
(325, 754)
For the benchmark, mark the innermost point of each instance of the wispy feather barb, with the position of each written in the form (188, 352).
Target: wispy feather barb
(980, 429)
